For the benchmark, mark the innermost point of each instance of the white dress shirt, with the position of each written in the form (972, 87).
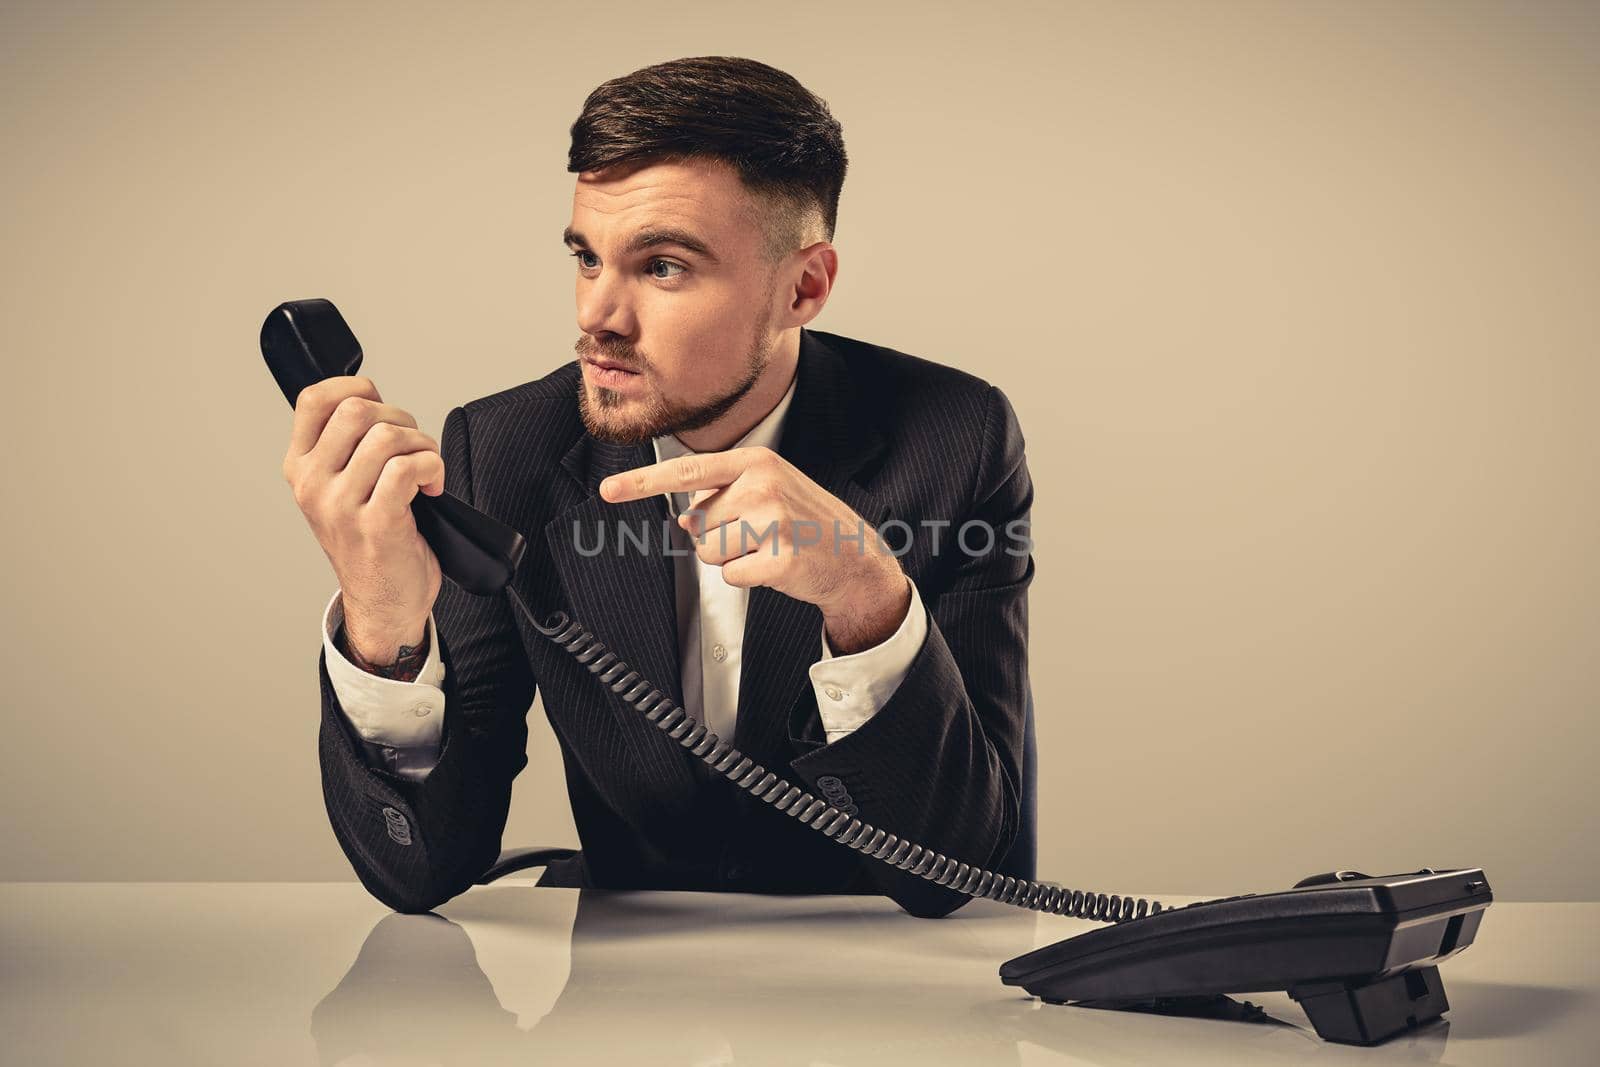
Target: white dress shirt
(402, 722)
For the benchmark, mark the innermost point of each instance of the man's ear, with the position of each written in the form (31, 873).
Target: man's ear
(819, 267)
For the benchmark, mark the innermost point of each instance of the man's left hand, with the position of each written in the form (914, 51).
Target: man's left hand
(764, 522)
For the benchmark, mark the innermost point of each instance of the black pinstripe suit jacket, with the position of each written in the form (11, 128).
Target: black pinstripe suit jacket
(893, 436)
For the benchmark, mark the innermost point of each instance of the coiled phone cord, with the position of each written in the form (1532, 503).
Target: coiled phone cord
(821, 816)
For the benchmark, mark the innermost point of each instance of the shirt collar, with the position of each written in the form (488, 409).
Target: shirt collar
(765, 433)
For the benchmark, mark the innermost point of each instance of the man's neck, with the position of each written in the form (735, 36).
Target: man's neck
(755, 405)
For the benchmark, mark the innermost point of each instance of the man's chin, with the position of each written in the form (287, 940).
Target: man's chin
(613, 418)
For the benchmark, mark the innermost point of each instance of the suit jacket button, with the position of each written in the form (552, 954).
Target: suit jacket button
(399, 829)
(829, 784)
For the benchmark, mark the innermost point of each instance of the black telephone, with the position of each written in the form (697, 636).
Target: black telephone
(1358, 953)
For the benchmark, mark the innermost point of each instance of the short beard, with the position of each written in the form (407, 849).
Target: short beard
(660, 418)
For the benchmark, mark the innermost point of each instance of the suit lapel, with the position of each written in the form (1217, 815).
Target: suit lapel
(623, 593)
(829, 437)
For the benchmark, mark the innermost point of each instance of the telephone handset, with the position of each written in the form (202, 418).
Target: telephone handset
(305, 341)
(1358, 953)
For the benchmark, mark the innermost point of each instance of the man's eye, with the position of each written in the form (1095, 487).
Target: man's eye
(578, 255)
(665, 263)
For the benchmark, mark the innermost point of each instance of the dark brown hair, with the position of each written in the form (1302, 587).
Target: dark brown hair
(777, 135)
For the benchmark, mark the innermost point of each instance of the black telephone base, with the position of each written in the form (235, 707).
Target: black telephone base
(1359, 954)
(1370, 1012)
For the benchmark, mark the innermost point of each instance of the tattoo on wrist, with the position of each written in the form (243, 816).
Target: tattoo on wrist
(407, 665)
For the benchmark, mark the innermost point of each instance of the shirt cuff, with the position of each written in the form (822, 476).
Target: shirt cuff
(387, 711)
(851, 689)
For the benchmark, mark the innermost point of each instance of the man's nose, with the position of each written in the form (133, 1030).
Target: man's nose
(603, 306)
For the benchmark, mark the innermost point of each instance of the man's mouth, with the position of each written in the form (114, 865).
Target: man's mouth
(604, 363)
(610, 373)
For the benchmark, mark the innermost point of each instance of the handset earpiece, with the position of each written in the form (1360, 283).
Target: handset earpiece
(305, 341)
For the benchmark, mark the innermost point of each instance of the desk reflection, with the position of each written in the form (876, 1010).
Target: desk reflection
(695, 979)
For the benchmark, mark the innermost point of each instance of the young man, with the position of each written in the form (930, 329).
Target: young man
(703, 490)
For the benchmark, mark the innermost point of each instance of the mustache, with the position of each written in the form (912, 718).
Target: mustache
(587, 346)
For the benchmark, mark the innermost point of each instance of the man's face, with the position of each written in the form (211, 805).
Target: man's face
(675, 299)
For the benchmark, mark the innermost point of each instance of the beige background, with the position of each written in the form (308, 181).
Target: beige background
(1296, 304)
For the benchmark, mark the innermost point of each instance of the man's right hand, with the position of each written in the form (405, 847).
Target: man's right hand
(355, 464)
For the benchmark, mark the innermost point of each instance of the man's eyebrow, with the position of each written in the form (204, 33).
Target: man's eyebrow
(649, 237)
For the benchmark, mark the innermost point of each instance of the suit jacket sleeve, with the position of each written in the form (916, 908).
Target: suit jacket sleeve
(939, 763)
(417, 843)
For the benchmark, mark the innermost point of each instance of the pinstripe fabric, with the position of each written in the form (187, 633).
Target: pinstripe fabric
(898, 438)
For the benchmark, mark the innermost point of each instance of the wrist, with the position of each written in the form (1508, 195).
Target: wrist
(870, 612)
(398, 655)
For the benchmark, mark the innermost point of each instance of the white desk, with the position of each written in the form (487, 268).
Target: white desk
(321, 973)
